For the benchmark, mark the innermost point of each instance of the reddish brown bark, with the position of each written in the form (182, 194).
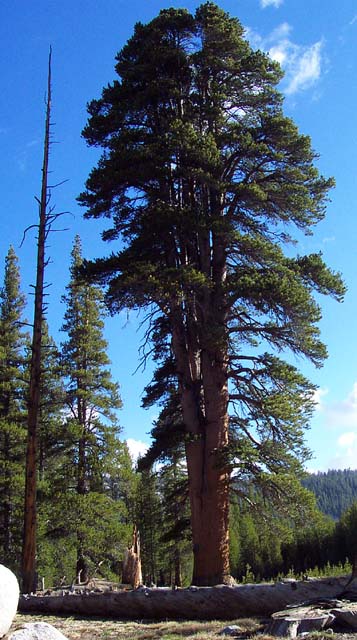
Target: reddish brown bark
(201, 357)
(132, 563)
(209, 494)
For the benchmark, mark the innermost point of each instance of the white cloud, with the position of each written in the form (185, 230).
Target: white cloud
(304, 67)
(302, 64)
(317, 396)
(343, 414)
(339, 418)
(354, 19)
(137, 448)
(271, 3)
(346, 452)
(347, 439)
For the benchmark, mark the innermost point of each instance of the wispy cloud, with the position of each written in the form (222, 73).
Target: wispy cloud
(354, 20)
(271, 3)
(23, 156)
(304, 67)
(340, 418)
(302, 63)
(33, 143)
(343, 414)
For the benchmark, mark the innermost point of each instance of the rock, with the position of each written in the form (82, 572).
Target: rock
(300, 620)
(37, 631)
(346, 616)
(284, 627)
(231, 630)
(9, 597)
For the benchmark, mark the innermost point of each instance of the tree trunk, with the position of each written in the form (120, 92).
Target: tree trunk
(211, 542)
(209, 493)
(82, 574)
(200, 346)
(177, 567)
(30, 514)
(7, 506)
(132, 563)
(201, 358)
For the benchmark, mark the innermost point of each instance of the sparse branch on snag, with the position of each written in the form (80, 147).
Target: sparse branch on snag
(46, 218)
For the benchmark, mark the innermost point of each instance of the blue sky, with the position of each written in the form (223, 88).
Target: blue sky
(316, 43)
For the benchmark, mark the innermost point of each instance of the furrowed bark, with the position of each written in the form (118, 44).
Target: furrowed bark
(202, 367)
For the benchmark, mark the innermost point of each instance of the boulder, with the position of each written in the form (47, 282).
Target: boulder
(346, 616)
(296, 621)
(231, 630)
(37, 631)
(9, 597)
(314, 615)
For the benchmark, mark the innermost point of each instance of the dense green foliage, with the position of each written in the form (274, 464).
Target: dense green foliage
(86, 482)
(13, 367)
(335, 490)
(265, 541)
(94, 521)
(165, 460)
(206, 184)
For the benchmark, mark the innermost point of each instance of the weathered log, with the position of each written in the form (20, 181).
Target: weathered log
(220, 602)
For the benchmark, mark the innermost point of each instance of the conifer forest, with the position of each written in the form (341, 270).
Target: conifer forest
(203, 184)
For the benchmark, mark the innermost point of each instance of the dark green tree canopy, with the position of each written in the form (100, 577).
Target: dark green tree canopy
(196, 144)
(203, 111)
(207, 185)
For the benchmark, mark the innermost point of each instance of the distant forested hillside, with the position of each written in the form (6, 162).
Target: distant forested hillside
(335, 490)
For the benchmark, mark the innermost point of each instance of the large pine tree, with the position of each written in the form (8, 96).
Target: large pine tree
(206, 181)
(13, 390)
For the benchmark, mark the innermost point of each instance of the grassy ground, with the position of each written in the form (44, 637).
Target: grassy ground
(75, 628)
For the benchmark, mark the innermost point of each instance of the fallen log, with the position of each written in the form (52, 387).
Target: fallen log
(195, 603)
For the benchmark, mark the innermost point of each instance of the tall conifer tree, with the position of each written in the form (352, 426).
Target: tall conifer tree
(206, 181)
(92, 398)
(12, 412)
(51, 427)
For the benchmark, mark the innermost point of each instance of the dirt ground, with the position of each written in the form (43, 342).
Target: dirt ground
(75, 628)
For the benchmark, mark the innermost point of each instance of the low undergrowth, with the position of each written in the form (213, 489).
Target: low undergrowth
(75, 628)
(328, 571)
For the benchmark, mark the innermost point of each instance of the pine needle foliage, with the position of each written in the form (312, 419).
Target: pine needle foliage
(207, 185)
